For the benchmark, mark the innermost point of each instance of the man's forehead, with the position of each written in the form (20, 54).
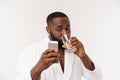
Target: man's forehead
(60, 20)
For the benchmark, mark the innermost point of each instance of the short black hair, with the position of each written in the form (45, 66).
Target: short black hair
(54, 15)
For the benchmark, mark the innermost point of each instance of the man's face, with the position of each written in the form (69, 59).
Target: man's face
(58, 27)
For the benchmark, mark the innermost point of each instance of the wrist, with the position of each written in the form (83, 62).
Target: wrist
(83, 55)
(37, 69)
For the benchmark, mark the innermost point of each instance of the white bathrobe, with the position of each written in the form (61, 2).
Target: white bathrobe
(73, 68)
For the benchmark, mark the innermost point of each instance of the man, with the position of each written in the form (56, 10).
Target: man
(37, 62)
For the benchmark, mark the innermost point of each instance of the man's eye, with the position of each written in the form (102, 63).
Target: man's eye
(58, 29)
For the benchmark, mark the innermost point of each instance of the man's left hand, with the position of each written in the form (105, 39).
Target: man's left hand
(75, 43)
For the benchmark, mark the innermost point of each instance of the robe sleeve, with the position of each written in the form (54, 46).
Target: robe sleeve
(27, 61)
(24, 66)
(96, 74)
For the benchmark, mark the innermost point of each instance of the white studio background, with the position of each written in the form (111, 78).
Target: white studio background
(95, 22)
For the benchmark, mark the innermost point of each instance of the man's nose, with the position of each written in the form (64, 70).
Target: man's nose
(64, 32)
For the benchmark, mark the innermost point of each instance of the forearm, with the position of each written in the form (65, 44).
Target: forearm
(35, 75)
(87, 62)
(36, 72)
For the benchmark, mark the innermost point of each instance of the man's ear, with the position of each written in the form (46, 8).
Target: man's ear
(48, 29)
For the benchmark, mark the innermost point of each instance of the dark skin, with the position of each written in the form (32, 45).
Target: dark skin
(59, 26)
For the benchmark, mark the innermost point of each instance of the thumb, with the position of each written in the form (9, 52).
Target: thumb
(64, 46)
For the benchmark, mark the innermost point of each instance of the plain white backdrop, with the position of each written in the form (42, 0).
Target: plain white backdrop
(95, 22)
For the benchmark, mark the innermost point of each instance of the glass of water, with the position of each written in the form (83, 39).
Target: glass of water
(65, 41)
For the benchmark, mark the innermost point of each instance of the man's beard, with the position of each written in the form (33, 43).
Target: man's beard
(60, 43)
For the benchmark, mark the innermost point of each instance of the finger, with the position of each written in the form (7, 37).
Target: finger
(53, 59)
(74, 44)
(52, 55)
(73, 39)
(48, 51)
(64, 46)
(50, 61)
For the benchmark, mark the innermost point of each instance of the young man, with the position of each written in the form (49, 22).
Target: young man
(40, 63)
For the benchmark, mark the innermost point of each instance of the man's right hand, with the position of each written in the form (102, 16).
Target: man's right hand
(48, 58)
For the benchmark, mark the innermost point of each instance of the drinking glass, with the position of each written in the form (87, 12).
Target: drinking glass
(65, 41)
